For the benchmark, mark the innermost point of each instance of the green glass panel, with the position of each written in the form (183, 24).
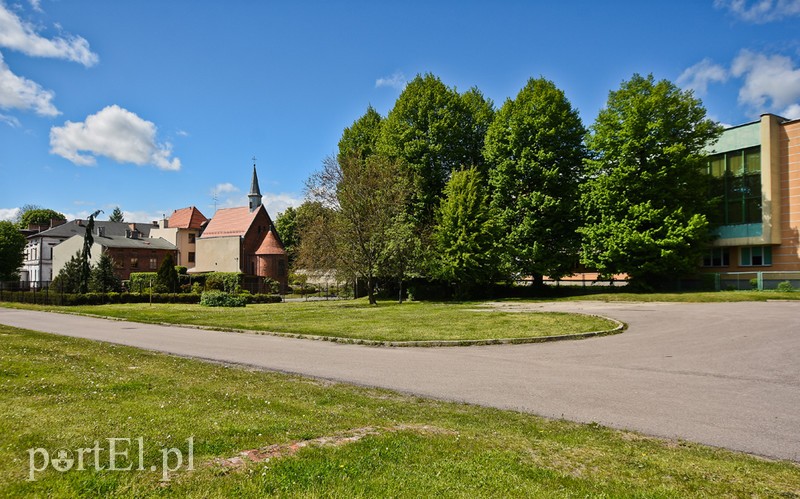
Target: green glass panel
(767, 255)
(736, 163)
(752, 160)
(717, 166)
(744, 254)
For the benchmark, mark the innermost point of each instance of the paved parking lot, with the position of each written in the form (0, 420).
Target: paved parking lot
(724, 374)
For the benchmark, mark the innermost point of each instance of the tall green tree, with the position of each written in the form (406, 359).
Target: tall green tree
(12, 245)
(536, 152)
(36, 215)
(116, 215)
(167, 278)
(361, 138)
(86, 253)
(646, 201)
(363, 198)
(103, 278)
(434, 131)
(467, 235)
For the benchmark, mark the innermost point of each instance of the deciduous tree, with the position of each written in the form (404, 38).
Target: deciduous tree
(646, 201)
(535, 150)
(36, 215)
(12, 245)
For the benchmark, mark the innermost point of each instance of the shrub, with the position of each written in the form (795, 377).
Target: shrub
(140, 281)
(753, 283)
(785, 287)
(224, 281)
(197, 288)
(221, 299)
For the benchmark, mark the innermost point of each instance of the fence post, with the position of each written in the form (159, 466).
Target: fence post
(760, 278)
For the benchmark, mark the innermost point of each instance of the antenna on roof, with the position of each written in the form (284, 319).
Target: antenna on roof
(214, 197)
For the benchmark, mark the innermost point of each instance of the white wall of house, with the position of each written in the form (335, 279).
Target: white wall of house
(66, 250)
(37, 264)
(218, 254)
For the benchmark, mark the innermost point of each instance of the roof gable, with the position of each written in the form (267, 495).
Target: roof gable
(270, 245)
(187, 218)
(229, 222)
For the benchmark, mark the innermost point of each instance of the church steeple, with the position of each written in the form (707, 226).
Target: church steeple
(255, 192)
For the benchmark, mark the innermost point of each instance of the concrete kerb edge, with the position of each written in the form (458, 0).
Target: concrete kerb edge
(620, 327)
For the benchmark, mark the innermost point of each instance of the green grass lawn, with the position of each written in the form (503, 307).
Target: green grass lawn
(389, 321)
(66, 393)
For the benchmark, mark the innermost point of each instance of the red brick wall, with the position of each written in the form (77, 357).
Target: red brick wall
(122, 259)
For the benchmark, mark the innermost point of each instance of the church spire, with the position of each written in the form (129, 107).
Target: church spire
(255, 192)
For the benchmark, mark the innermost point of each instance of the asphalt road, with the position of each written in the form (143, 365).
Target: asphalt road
(725, 374)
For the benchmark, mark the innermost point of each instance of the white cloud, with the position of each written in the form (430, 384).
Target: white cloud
(36, 5)
(397, 81)
(17, 92)
(277, 203)
(701, 74)
(222, 188)
(771, 82)
(9, 213)
(792, 112)
(760, 11)
(115, 133)
(21, 36)
(10, 121)
(182, 133)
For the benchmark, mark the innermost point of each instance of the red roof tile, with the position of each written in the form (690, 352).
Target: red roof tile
(187, 218)
(230, 222)
(270, 245)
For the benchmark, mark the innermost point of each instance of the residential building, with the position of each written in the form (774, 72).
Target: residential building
(131, 252)
(182, 229)
(37, 265)
(244, 240)
(756, 172)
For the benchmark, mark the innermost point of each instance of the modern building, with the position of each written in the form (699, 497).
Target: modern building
(756, 172)
(182, 229)
(243, 240)
(131, 252)
(37, 266)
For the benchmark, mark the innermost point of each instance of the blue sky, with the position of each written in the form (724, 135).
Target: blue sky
(154, 105)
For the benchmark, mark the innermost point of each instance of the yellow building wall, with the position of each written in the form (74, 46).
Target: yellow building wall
(218, 254)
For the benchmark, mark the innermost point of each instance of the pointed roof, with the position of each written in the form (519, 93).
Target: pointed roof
(187, 218)
(270, 245)
(230, 222)
(254, 189)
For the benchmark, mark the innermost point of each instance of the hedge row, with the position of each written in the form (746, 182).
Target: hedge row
(68, 299)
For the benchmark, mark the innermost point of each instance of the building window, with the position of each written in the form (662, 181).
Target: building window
(134, 262)
(755, 256)
(717, 257)
(736, 180)
(191, 257)
(153, 263)
(192, 238)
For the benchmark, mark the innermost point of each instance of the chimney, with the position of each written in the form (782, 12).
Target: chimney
(55, 222)
(101, 231)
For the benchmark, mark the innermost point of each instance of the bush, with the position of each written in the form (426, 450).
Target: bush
(197, 288)
(224, 281)
(140, 281)
(53, 297)
(785, 287)
(261, 298)
(221, 299)
(753, 283)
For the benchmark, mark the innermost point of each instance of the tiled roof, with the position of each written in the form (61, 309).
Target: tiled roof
(127, 242)
(78, 227)
(270, 245)
(229, 222)
(187, 218)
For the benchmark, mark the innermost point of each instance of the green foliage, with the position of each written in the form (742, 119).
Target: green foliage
(290, 225)
(435, 131)
(167, 280)
(116, 215)
(181, 270)
(361, 138)
(68, 279)
(365, 198)
(216, 298)
(785, 287)
(103, 278)
(197, 288)
(36, 215)
(467, 233)
(140, 282)
(86, 255)
(645, 203)
(535, 150)
(12, 245)
(229, 282)
(272, 286)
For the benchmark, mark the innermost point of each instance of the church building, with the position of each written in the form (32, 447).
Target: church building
(243, 239)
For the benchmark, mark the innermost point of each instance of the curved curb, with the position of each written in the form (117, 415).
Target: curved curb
(620, 327)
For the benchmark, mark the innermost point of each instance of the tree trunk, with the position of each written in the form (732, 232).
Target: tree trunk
(371, 292)
(538, 281)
